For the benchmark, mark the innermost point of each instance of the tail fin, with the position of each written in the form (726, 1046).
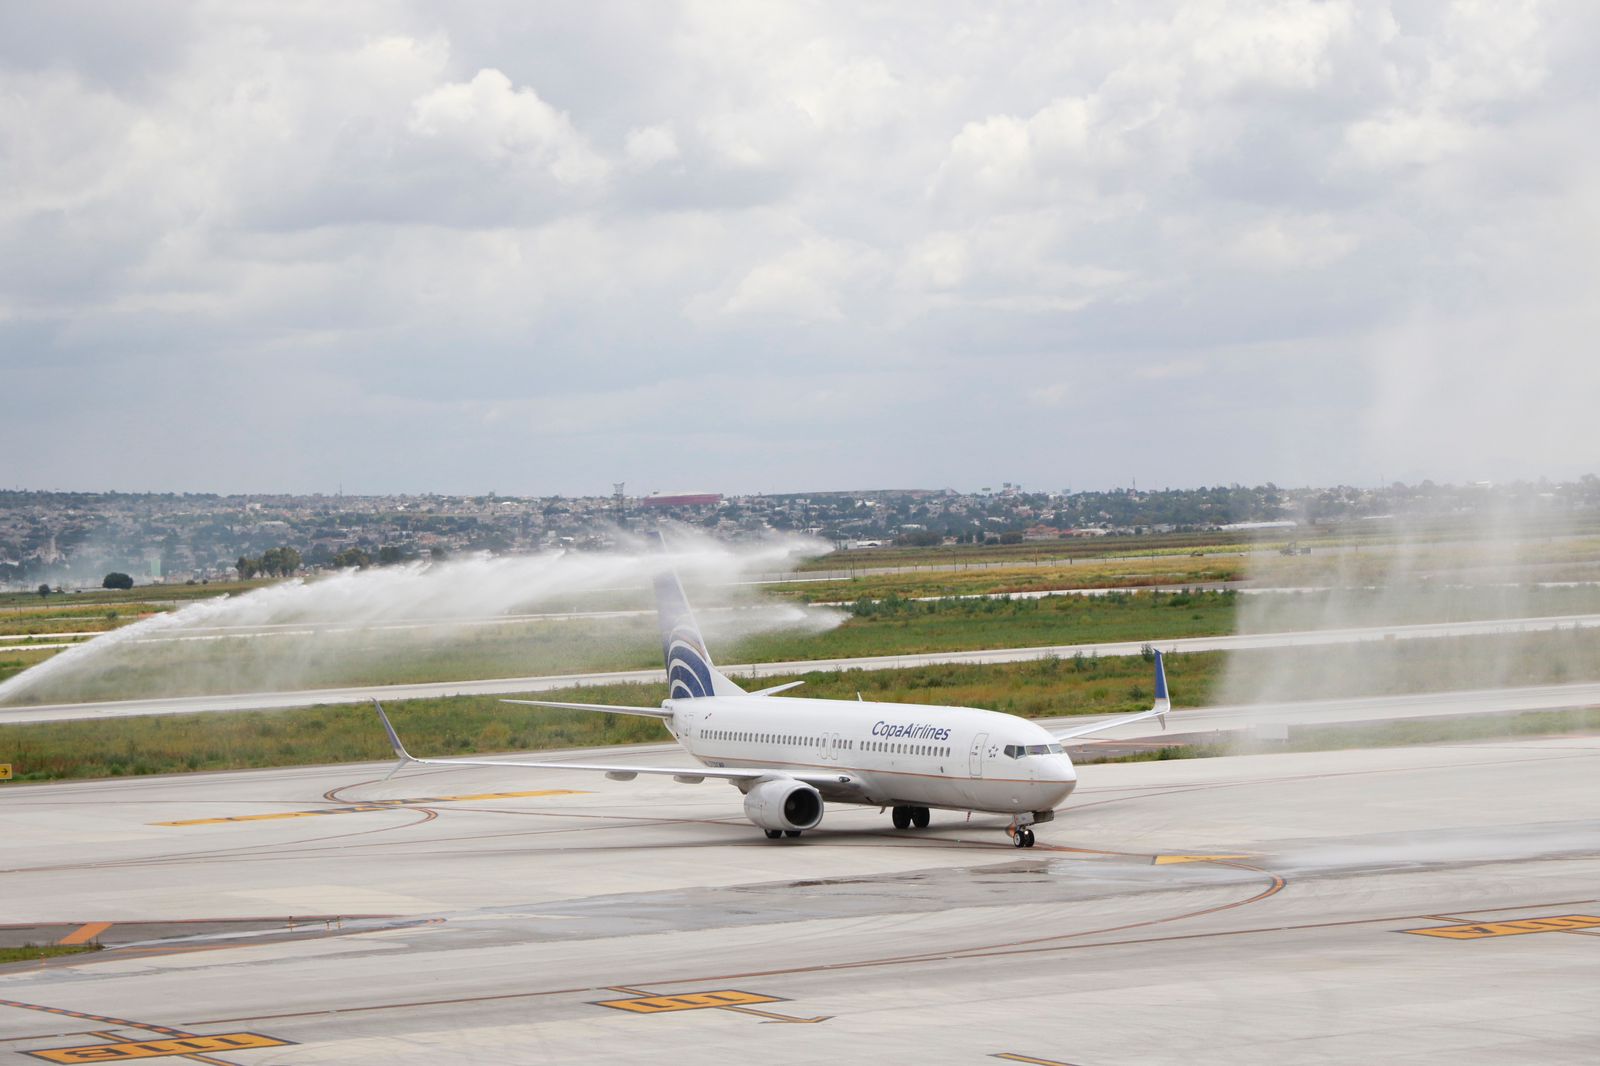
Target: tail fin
(690, 673)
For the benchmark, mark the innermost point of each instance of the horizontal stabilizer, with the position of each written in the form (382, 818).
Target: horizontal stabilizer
(604, 708)
(777, 688)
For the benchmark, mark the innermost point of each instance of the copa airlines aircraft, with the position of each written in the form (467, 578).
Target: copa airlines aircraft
(790, 756)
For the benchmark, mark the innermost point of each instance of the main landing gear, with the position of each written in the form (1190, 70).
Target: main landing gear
(1022, 838)
(774, 834)
(907, 817)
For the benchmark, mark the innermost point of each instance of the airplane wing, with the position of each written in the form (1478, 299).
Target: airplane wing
(1162, 706)
(686, 775)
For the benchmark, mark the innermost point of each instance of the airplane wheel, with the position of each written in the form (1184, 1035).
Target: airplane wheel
(901, 817)
(1019, 839)
(791, 832)
(919, 817)
(1027, 838)
(774, 834)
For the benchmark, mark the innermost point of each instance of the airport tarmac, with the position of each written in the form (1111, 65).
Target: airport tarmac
(1409, 905)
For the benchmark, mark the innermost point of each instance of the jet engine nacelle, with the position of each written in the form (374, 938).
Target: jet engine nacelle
(788, 805)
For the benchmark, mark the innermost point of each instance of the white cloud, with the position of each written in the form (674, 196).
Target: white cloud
(1398, 139)
(492, 119)
(1292, 242)
(1283, 46)
(812, 281)
(650, 145)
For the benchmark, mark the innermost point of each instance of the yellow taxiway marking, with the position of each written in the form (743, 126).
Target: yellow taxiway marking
(378, 805)
(1557, 924)
(1163, 860)
(152, 1049)
(85, 933)
(1012, 1056)
(728, 999)
(693, 1001)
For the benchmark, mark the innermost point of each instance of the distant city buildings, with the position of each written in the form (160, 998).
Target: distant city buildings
(75, 539)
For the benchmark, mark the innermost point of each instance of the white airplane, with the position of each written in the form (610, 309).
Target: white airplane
(789, 756)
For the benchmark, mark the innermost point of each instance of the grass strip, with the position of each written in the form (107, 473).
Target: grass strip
(35, 952)
(1048, 687)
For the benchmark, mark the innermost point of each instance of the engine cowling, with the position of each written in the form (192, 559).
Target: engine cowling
(788, 805)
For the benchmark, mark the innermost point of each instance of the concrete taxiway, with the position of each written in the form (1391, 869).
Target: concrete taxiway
(1427, 904)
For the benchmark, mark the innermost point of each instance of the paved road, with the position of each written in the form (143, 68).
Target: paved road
(509, 685)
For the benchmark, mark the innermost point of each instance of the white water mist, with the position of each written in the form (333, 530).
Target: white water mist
(355, 624)
(1493, 561)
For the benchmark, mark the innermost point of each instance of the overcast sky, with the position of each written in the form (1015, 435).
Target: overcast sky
(537, 248)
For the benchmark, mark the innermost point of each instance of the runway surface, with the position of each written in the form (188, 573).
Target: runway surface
(1428, 904)
(513, 685)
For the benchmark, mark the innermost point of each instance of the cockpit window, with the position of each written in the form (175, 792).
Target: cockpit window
(1019, 751)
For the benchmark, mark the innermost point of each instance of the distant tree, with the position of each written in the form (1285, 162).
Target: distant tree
(389, 554)
(352, 557)
(280, 561)
(117, 580)
(1011, 538)
(438, 553)
(247, 567)
(44, 590)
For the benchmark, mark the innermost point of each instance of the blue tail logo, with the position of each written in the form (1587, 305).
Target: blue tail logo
(688, 663)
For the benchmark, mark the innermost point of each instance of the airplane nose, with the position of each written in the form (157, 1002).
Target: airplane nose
(1059, 776)
(1058, 771)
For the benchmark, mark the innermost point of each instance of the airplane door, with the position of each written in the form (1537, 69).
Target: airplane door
(684, 720)
(823, 741)
(975, 757)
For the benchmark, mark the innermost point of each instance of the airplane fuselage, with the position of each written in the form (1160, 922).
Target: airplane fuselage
(895, 754)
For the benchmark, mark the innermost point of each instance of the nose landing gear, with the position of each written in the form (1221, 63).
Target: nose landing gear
(1022, 836)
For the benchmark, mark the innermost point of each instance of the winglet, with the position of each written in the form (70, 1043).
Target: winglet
(1158, 709)
(394, 742)
(1162, 704)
